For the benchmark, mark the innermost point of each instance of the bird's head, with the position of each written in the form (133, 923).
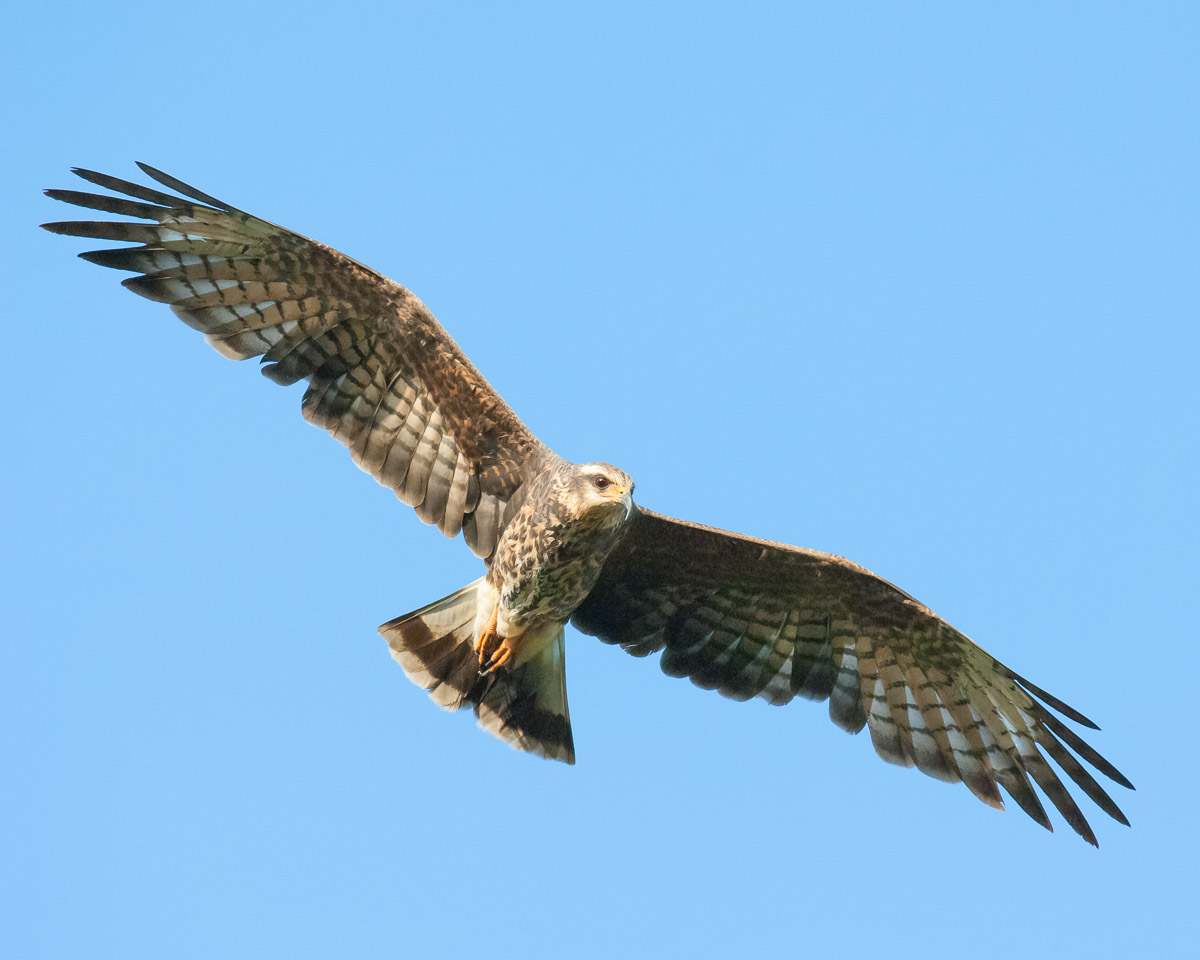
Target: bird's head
(602, 487)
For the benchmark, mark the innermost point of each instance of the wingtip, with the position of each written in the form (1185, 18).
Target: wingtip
(1064, 708)
(1085, 832)
(174, 183)
(86, 173)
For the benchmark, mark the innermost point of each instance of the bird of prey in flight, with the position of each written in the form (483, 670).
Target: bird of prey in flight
(565, 542)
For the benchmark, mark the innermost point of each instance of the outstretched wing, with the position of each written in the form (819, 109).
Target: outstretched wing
(751, 618)
(383, 376)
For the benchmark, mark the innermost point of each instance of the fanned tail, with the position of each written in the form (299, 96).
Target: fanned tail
(526, 706)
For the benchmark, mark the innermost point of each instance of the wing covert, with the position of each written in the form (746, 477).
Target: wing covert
(751, 618)
(384, 377)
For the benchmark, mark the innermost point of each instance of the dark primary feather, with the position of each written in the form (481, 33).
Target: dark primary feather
(743, 616)
(751, 618)
(383, 376)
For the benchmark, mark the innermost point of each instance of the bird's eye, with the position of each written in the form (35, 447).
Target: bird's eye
(601, 483)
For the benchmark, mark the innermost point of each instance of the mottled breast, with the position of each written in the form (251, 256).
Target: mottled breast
(550, 554)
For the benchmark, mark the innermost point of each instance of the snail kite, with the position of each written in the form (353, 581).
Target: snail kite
(565, 542)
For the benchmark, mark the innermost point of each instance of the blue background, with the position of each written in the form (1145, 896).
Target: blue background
(913, 283)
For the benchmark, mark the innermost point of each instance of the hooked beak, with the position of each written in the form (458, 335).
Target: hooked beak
(626, 499)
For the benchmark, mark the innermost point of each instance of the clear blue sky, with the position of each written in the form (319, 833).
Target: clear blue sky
(913, 283)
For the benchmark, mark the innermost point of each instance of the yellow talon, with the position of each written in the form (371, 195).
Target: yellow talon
(505, 654)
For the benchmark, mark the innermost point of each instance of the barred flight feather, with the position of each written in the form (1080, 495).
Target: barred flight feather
(383, 377)
(746, 617)
(753, 618)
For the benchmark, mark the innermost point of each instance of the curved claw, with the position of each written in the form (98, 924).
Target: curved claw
(498, 659)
